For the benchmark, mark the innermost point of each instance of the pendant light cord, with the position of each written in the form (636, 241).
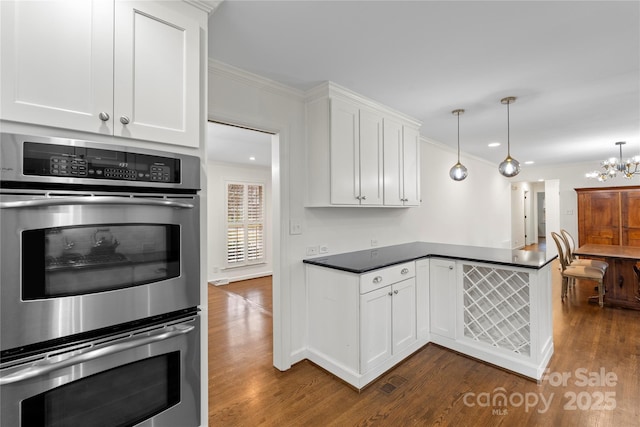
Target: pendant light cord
(458, 137)
(508, 131)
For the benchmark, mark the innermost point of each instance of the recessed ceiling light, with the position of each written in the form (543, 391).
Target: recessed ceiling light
(252, 158)
(494, 144)
(541, 180)
(529, 162)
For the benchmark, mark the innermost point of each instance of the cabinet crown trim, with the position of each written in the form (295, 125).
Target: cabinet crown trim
(332, 90)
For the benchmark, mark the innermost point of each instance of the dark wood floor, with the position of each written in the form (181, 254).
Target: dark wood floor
(593, 375)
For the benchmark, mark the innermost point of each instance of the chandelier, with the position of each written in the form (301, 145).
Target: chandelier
(611, 167)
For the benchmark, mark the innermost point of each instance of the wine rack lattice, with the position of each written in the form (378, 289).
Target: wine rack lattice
(496, 307)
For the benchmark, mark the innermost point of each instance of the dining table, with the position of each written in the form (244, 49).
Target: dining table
(622, 279)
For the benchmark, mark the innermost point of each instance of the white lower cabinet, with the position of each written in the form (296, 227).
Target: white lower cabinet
(442, 297)
(361, 325)
(387, 322)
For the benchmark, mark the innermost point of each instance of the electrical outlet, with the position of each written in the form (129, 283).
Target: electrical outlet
(374, 242)
(312, 250)
(324, 249)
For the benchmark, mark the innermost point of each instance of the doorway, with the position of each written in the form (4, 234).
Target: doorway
(541, 223)
(239, 178)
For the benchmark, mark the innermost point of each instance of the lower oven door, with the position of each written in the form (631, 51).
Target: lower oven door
(149, 378)
(77, 262)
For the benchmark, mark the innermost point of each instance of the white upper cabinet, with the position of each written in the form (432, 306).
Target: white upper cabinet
(157, 79)
(401, 164)
(129, 69)
(345, 153)
(57, 63)
(354, 157)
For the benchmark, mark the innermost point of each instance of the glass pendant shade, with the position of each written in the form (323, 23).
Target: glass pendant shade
(509, 167)
(458, 172)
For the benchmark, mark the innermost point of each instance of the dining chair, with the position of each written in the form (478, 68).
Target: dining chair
(576, 271)
(570, 245)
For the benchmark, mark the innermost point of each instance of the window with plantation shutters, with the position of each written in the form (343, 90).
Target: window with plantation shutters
(245, 223)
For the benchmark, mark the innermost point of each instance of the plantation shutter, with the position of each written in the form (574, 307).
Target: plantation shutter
(245, 223)
(255, 219)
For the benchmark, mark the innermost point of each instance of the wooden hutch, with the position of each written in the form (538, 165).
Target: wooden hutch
(611, 216)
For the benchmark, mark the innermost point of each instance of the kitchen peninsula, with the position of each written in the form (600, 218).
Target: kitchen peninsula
(368, 310)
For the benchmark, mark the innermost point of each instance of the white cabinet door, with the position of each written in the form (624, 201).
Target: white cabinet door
(411, 166)
(442, 297)
(393, 191)
(157, 77)
(371, 164)
(401, 164)
(57, 63)
(404, 314)
(345, 153)
(375, 328)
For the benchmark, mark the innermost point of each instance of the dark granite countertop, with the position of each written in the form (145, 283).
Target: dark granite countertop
(373, 259)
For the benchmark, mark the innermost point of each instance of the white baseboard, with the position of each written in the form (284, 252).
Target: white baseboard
(226, 280)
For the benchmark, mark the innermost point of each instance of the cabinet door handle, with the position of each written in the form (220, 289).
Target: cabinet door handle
(404, 271)
(363, 198)
(395, 292)
(377, 279)
(451, 267)
(358, 197)
(124, 120)
(104, 116)
(390, 294)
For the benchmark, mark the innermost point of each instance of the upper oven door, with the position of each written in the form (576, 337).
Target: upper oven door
(72, 263)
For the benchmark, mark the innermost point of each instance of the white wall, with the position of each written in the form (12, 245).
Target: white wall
(217, 175)
(474, 211)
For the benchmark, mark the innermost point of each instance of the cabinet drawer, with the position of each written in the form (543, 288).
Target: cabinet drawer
(386, 276)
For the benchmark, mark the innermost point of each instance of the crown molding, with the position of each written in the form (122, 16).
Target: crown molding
(331, 89)
(246, 77)
(209, 6)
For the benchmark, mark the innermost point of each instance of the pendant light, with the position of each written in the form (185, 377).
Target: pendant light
(458, 172)
(509, 167)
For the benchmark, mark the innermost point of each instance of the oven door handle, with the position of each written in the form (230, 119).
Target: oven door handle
(94, 200)
(44, 367)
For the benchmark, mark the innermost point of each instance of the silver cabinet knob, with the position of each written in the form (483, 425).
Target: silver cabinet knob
(404, 271)
(451, 267)
(390, 294)
(395, 292)
(124, 120)
(104, 116)
(377, 279)
(358, 197)
(363, 198)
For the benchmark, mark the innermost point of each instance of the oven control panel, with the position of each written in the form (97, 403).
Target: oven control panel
(83, 162)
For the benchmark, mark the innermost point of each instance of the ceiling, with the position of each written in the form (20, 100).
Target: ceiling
(231, 144)
(574, 66)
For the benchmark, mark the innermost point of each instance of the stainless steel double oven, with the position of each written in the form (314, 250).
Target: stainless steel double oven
(99, 289)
